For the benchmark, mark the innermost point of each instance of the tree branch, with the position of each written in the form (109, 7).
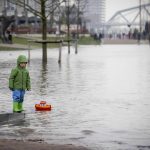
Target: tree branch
(57, 4)
(53, 4)
(27, 7)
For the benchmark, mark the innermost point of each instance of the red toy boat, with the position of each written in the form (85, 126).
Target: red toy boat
(43, 106)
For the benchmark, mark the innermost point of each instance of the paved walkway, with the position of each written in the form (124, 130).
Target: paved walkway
(123, 41)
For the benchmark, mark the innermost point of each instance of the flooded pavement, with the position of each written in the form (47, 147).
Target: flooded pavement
(100, 97)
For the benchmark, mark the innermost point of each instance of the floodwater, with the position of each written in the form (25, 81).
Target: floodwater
(100, 97)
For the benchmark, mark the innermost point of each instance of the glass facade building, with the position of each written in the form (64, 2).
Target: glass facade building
(95, 14)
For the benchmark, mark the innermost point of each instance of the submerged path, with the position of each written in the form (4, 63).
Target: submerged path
(30, 145)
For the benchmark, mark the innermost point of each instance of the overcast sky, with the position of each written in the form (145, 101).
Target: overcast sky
(114, 5)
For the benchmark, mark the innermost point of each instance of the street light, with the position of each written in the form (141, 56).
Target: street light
(67, 4)
(140, 21)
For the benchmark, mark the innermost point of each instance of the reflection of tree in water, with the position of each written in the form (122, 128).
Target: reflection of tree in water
(44, 79)
(43, 118)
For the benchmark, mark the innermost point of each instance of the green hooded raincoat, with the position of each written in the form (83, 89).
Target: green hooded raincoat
(19, 77)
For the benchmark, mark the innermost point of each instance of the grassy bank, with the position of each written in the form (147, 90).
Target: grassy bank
(25, 41)
(20, 43)
(87, 41)
(5, 48)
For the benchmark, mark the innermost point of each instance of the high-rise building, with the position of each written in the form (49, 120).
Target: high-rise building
(8, 9)
(94, 14)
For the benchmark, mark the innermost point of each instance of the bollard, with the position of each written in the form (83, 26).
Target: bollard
(28, 52)
(76, 46)
(60, 48)
(68, 47)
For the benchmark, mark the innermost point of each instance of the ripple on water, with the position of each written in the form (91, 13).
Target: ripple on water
(100, 97)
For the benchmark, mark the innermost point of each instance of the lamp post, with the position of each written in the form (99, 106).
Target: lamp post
(78, 11)
(68, 23)
(140, 20)
(5, 8)
(26, 2)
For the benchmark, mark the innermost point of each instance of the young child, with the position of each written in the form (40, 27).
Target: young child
(19, 82)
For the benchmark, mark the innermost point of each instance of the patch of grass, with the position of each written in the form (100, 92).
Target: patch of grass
(5, 48)
(87, 41)
(20, 40)
(24, 41)
(82, 40)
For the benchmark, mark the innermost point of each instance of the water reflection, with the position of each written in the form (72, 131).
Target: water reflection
(100, 97)
(44, 79)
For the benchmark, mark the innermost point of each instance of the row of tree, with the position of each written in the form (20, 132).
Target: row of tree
(147, 27)
(45, 9)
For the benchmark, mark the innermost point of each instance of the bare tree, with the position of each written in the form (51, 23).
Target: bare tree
(73, 12)
(81, 4)
(44, 8)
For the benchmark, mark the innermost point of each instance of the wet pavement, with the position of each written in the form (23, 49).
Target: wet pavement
(100, 97)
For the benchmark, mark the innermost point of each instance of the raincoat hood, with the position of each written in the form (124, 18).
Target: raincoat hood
(19, 78)
(21, 59)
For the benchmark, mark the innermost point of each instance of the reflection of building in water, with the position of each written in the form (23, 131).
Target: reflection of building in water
(95, 13)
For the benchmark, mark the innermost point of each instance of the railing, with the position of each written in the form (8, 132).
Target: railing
(60, 42)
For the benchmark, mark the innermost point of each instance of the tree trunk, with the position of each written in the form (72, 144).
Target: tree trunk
(52, 18)
(44, 31)
(68, 26)
(78, 1)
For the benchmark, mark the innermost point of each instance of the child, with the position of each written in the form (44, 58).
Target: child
(19, 81)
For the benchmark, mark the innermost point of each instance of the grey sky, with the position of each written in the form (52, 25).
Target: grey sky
(114, 5)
